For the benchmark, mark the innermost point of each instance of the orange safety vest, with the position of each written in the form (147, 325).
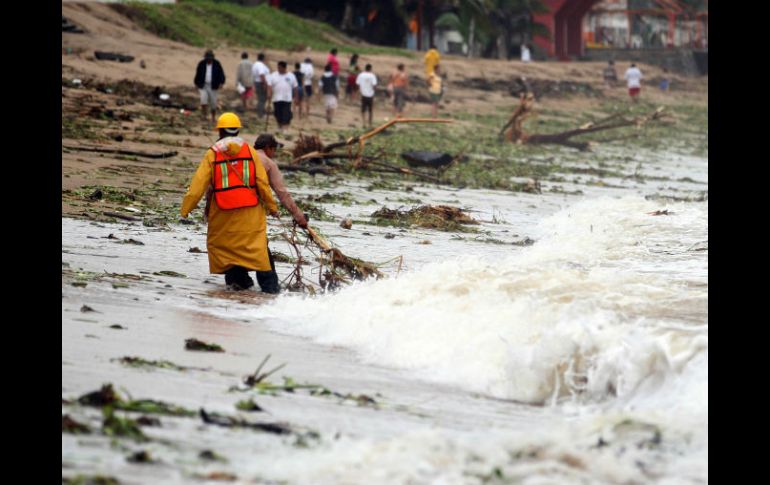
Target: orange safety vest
(235, 180)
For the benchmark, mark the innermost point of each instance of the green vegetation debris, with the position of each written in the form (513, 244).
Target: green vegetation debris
(441, 217)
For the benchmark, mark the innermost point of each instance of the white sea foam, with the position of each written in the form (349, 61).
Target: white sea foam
(610, 299)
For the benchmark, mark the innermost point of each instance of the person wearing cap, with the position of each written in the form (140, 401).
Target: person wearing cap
(209, 76)
(240, 197)
(266, 145)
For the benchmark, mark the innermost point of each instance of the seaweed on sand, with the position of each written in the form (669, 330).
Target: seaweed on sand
(441, 217)
(106, 396)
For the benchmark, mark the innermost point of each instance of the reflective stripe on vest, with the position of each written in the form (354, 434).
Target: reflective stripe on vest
(235, 180)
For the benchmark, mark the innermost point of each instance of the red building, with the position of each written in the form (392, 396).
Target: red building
(565, 22)
(627, 24)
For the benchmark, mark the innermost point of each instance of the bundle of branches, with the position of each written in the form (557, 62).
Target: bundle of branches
(359, 160)
(442, 217)
(513, 131)
(306, 144)
(339, 268)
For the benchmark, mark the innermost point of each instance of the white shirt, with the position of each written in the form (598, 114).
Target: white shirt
(307, 69)
(633, 76)
(367, 81)
(258, 69)
(209, 67)
(525, 57)
(283, 85)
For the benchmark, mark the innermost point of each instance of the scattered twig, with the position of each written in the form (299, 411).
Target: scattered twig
(121, 152)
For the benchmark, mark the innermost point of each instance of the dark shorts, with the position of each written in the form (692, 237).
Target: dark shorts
(399, 98)
(309, 90)
(634, 91)
(300, 93)
(282, 111)
(367, 103)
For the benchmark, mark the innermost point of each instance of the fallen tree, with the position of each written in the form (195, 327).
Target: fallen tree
(513, 130)
(360, 140)
(311, 149)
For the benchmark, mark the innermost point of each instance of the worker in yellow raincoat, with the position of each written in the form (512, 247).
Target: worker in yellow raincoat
(431, 59)
(241, 196)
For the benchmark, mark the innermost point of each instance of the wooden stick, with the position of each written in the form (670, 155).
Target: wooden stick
(122, 152)
(121, 216)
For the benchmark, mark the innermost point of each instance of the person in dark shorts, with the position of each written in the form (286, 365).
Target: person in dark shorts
(307, 79)
(300, 92)
(399, 81)
(281, 87)
(367, 81)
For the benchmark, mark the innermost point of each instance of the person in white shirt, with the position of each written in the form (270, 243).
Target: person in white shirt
(525, 54)
(634, 77)
(366, 82)
(307, 84)
(280, 88)
(260, 71)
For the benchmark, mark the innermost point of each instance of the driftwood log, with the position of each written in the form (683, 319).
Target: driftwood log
(121, 152)
(513, 130)
(360, 140)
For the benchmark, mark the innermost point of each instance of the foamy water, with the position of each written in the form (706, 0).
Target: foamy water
(604, 320)
(609, 299)
(605, 317)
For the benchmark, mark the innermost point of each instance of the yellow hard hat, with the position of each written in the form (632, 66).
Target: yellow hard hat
(228, 120)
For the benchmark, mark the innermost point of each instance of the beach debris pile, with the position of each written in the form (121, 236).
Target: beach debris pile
(335, 269)
(310, 155)
(441, 217)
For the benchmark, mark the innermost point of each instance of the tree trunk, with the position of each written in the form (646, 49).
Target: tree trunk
(470, 37)
(513, 130)
(347, 17)
(502, 47)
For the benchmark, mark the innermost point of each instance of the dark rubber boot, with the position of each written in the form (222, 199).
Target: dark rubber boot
(238, 278)
(268, 280)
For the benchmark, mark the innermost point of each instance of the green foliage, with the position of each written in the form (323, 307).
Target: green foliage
(114, 425)
(205, 23)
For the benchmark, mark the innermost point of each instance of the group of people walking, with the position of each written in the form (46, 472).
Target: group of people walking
(285, 93)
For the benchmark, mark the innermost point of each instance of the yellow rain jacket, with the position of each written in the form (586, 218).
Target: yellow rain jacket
(236, 237)
(431, 59)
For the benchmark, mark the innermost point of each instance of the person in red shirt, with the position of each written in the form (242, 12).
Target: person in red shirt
(332, 59)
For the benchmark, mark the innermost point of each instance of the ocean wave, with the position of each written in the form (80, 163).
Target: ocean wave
(609, 301)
